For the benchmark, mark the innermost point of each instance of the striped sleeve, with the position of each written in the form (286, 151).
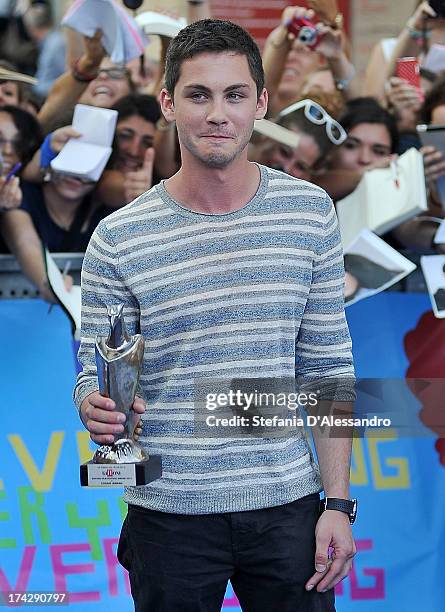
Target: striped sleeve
(102, 286)
(323, 344)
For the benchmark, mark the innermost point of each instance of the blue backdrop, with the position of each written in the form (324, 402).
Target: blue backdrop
(56, 536)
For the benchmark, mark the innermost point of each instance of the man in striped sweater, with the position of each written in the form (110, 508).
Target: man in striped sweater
(230, 270)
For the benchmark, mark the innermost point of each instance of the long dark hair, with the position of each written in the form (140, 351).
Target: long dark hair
(30, 133)
(368, 110)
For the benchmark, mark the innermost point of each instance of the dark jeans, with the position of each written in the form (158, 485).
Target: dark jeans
(181, 563)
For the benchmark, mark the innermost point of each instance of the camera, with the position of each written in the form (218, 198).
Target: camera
(305, 31)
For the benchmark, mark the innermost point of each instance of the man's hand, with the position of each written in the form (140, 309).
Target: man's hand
(136, 182)
(332, 531)
(101, 418)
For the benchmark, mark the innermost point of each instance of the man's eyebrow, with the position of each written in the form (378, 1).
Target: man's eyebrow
(207, 89)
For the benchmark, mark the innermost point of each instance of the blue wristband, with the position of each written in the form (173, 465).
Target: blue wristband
(46, 153)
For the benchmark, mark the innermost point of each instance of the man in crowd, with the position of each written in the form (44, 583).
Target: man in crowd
(228, 269)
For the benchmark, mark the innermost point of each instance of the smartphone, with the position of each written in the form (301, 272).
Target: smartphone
(434, 136)
(439, 8)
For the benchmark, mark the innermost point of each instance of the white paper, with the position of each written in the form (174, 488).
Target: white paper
(82, 159)
(97, 125)
(122, 39)
(277, 132)
(435, 58)
(87, 155)
(71, 300)
(439, 236)
(152, 22)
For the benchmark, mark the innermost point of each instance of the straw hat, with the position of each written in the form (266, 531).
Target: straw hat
(11, 75)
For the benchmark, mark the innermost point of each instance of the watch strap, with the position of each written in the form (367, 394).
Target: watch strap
(348, 506)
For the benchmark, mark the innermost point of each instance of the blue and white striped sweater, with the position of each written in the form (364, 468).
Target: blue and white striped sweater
(240, 295)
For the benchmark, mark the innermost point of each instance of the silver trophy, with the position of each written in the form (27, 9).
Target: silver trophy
(119, 360)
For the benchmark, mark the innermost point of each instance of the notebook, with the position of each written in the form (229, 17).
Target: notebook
(383, 200)
(372, 266)
(70, 301)
(87, 156)
(121, 38)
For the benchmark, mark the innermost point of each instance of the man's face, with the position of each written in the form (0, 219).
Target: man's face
(215, 105)
(134, 136)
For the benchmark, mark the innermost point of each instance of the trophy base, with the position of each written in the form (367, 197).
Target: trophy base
(121, 474)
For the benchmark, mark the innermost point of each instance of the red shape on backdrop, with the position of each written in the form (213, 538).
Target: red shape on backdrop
(425, 349)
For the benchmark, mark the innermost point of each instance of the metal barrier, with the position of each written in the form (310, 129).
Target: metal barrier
(14, 285)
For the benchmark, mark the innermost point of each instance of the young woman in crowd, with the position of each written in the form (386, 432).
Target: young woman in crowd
(319, 134)
(60, 214)
(418, 234)
(20, 136)
(372, 139)
(288, 62)
(111, 83)
(93, 80)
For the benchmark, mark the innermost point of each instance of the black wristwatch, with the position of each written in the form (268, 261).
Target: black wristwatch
(348, 506)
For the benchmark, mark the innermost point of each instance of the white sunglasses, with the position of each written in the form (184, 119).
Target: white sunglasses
(316, 114)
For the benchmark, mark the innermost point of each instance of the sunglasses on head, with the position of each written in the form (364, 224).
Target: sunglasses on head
(316, 114)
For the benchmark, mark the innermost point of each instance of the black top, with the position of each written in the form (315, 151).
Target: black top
(55, 238)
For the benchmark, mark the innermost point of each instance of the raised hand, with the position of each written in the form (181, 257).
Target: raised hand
(137, 182)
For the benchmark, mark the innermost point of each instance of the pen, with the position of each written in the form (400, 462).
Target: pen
(395, 173)
(13, 170)
(66, 268)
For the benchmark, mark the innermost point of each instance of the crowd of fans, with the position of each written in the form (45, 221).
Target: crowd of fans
(347, 125)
